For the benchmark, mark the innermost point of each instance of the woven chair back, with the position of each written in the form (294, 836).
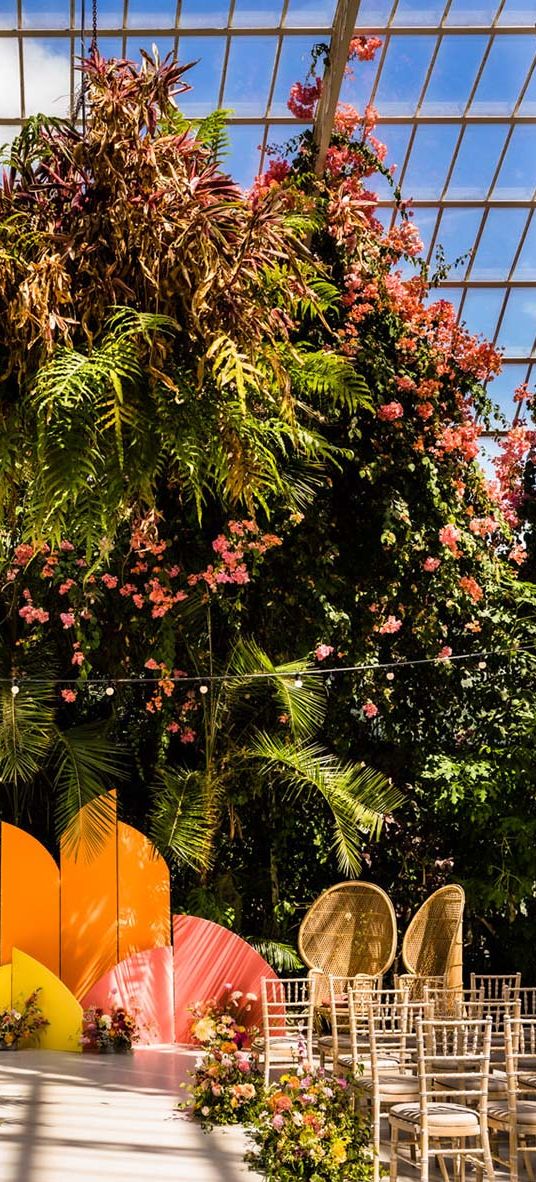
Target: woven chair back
(433, 935)
(350, 930)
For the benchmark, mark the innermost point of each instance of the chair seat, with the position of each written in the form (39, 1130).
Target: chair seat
(527, 1079)
(444, 1120)
(498, 1113)
(279, 1047)
(392, 1085)
(326, 1041)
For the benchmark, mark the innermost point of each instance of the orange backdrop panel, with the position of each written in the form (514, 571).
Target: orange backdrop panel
(89, 915)
(29, 899)
(206, 958)
(144, 899)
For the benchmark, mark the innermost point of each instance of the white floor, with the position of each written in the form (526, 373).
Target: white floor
(83, 1118)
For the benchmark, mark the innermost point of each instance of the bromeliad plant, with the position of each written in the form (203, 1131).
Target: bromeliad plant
(227, 1085)
(307, 1127)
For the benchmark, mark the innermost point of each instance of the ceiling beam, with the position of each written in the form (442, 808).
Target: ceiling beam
(343, 31)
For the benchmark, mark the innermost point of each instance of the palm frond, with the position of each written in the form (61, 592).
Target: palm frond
(183, 817)
(25, 731)
(85, 766)
(357, 796)
(304, 705)
(282, 957)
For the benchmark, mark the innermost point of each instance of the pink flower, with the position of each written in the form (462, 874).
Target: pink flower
(278, 1122)
(444, 653)
(65, 587)
(390, 411)
(187, 735)
(66, 546)
(68, 695)
(472, 588)
(425, 410)
(68, 619)
(323, 650)
(449, 535)
(152, 664)
(518, 554)
(392, 624)
(303, 99)
(369, 709)
(431, 564)
(23, 553)
(110, 581)
(173, 727)
(363, 48)
(78, 658)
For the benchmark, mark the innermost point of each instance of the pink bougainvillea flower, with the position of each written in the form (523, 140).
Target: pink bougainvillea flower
(370, 710)
(323, 650)
(431, 564)
(445, 652)
(392, 624)
(77, 658)
(110, 581)
(390, 411)
(68, 619)
(471, 587)
(69, 695)
(449, 535)
(518, 554)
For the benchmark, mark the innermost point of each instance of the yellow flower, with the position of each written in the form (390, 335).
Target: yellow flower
(9, 1039)
(204, 1030)
(338, 1151)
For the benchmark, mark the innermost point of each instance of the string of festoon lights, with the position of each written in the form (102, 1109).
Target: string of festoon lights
(295, 679)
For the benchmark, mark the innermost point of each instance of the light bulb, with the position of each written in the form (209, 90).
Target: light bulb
(109, 691)
(15, 689)
(390, 676)
(203, 689)
(482, 665)
(298, 681)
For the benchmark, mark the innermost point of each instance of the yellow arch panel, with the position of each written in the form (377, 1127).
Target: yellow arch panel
(144, 894)
(29, 899)
(56, 1001)
(5, 987)
(89, 917)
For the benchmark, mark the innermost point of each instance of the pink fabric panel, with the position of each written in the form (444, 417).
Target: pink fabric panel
(206, 957)
(143, 984)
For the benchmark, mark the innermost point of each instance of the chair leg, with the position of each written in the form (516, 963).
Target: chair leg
(425, 1157)
(488, 1160)
(393, 1159)
(376, 1142)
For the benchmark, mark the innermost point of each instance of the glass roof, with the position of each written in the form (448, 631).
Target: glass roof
(454, 83)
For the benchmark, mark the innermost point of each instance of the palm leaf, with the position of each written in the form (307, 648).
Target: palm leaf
(282, 957)
(84, 766)
(25, 731)
(183, 817)
(305, 705)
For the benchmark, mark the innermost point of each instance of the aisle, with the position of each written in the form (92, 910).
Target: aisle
(74, 1118)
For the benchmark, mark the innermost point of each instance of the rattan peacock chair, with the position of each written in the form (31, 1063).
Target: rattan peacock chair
(432, 945)
(349, 930)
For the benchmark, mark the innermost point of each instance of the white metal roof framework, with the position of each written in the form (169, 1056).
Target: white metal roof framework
(454, 83)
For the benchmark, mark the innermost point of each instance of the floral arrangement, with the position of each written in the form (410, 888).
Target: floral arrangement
(116, 1031)
(24, 1025)
(226, 1087)
(306, 1128)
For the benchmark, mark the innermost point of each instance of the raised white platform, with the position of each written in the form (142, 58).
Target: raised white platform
(110, 1118)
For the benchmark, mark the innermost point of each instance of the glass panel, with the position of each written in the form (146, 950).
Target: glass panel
(248, 15)
(204, 14)
(164, 45)
(482, 308)
(45, 14)
(8, 15)
(516, 13)
(488, 450)
(476, 161)
(110, 15)
(472, 12)
(249, 73)
(419, 12)
(243, 159)
(501, 389)
(358, 83)
(7, 135)
(528, 105)
(453, 75)
(505, 71)
(517, 178)
(499, 242)
(396, 136)
(518, 328)
(280, 135)
(372, 13)
(47, 70)
(456, 235)
(294, 64)
(10, 88)
(526, 264)
(452, 295)
(205, 77)
(111, 47)
(142, 15)
(429, 161)
(310, 14)
(403, 74)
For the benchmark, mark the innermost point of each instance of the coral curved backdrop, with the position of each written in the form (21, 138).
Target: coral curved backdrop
(206, 958)
(143, 984)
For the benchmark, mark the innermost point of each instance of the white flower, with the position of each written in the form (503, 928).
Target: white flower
(205, 1111)
(106, 1021)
